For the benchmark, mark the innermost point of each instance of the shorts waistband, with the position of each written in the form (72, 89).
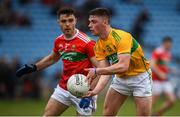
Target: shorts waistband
(139, 75)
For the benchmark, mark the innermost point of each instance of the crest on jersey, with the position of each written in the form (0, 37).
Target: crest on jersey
(109, 49)
(73, 47)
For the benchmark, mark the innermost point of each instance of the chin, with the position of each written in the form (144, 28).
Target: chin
(68, 33)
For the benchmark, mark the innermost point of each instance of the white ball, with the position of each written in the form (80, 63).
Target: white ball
(77, 86)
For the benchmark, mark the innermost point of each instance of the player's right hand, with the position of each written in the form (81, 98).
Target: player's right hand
(91, 74)
(25, 69)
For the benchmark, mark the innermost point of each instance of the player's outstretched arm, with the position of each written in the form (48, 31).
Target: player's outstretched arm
(102, 82)
(43, 63)
(94, 61)
(47, 61)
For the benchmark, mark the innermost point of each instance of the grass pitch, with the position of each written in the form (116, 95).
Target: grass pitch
(36, 107)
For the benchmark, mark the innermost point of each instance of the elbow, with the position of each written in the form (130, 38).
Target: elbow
(121, 69)
(117, 69)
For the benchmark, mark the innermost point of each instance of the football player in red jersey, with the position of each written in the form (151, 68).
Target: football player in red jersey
(75, 49)
(160, 59)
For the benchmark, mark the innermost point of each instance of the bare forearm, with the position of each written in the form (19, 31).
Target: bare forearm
(94, 82)
(113, 69)
(103, 81)
(45, 62)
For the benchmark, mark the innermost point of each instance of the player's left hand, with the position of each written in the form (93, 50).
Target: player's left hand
(91, 75)
(90, 94)
(85, 102)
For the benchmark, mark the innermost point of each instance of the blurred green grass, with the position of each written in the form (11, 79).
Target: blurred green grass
(36, 107)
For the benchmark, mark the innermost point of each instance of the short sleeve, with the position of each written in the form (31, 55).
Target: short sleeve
(90, 48)
(55, 49)
(125, 44)
(99, 52)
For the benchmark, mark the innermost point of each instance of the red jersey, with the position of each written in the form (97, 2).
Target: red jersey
(162, 58)
(75, 54)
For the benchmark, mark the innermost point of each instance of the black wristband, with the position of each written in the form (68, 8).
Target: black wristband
(34, 67)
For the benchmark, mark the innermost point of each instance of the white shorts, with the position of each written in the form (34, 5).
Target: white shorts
(140, 85)
(162, 87)
(68, 99)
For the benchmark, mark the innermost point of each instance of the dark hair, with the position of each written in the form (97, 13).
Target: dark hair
(167, 39)
(100, 12)
(68, 11)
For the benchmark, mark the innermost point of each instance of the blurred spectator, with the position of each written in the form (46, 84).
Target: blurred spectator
(22, 20)
(133, 1)
(3, 75)
(7, 4)
(57, 4)
(49, 2)
(12, 87)
(31, 87)
(6, 13)
(178, 6)
(24, 2)
(15, 64)
(8, 17)
(90, 4)
(6, 87)
(83, 12)
(138, 26)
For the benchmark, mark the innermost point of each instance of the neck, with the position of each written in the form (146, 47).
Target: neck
(105, 32)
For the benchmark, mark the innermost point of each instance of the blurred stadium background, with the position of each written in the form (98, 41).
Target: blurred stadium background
(27, 31)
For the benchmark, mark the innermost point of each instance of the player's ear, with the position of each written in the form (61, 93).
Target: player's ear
(104, 20)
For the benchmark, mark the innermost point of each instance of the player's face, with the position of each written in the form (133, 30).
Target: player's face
(167, 45)
(96, 25)
(67, 24)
